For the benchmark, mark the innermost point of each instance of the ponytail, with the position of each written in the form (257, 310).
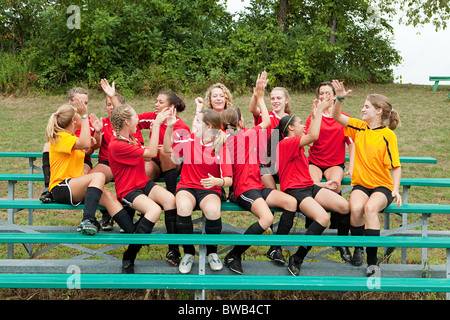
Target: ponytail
(230, 119)
(59, 121)
(174, 100)
(389, 114)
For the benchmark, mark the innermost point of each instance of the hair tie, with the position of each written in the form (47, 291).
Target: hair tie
(287, 124)
(56, 113)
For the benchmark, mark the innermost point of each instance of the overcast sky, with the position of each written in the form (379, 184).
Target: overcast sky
(424, 54)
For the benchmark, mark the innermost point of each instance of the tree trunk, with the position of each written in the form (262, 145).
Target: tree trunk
(333, 26)
(282, 15)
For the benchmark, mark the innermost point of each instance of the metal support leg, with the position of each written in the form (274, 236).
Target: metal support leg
(200, 294)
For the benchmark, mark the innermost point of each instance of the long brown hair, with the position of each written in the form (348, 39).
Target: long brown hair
(230, 119)
(212, 117)
(390, 116)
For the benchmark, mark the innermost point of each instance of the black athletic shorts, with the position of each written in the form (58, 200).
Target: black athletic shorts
(200, 194)
(61, 193)
(383, 190)
(342, 165)
(129, 198)
(246, 199)
(302, 193)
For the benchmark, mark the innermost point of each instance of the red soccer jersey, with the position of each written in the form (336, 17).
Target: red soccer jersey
(127, 165)
(292, 163)
(262, 146)
(107, 134)
(198, 160)
(242, 149)
(329, 149)
(179, 130)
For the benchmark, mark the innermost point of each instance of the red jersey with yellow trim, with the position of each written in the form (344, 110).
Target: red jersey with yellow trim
(292, 164)
(199, 160)
(127, 165)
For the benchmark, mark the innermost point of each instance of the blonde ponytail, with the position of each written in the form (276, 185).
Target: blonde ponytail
(59, 121)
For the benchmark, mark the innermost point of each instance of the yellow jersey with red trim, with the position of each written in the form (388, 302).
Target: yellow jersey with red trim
(64, 161)
(376, 153)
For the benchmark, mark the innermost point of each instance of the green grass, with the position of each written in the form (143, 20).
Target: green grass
(423, 132)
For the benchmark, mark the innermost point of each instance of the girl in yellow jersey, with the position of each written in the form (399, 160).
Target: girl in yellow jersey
(376, 171)
(68, 184)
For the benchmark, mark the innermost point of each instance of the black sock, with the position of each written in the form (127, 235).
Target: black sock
(372, 251)
(144, 226)
(124, 221)
(314, 229)
(212, 227)
(170, 220)
(286, 222)
(91, 200)
(343, 224)
(253, 229)
(46, 168)
(357, 231)
(170, 177)
(185, 226)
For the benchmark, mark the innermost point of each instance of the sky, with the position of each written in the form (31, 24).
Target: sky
(425, 52)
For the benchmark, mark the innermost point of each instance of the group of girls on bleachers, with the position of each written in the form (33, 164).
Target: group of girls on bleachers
(219, 152)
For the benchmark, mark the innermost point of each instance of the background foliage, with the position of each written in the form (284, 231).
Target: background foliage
(183, 45)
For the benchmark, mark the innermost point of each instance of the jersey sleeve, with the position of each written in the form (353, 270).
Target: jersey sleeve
(354, 125)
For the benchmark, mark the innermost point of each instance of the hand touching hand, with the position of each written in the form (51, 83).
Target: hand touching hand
(110, 91)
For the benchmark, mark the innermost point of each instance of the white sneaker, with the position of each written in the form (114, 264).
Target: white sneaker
(186, 263)
(214, 262)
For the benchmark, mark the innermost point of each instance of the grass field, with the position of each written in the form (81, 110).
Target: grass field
(423, 132)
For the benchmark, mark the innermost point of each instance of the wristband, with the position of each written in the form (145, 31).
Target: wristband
(84, 116)
(340, 99)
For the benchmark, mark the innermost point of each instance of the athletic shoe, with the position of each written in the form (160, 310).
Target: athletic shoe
(345, 253)
(276, 255)
(87, 227)
(46, 196)
(186, 263)
(106, 223)
(358, 257)
(214, 262)
(173, 257)
(295, 263)
(373, 270)
(127, 266)
(233, 262)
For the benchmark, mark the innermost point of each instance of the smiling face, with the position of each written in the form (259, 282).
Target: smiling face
(370, 113)
(218, 99)
(326, 92)
(278, 100)
(162, 102)
(132, 122)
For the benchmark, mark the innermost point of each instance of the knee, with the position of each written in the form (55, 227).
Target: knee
(323, 219)
(266, 221)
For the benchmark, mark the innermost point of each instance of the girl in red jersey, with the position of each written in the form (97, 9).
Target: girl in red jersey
(248, 188)
(162, 164)
(133, 187)
(295, 179)
(377, 170)
(281, 106)
(327, 159)
(206, 170)
(68, 184)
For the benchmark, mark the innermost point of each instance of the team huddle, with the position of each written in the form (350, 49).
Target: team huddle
(218, 152)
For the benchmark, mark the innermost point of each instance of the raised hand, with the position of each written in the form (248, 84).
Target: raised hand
(163, 115)
(79, 107)
(199, 104)
(340, 89)
(261, 84)
(109, 90)
(96, 123)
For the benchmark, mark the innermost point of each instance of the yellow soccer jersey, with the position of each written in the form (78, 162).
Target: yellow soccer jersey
(65, 162)
(376, 152)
